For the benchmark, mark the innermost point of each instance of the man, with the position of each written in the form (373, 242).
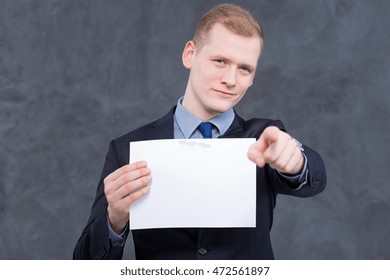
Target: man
(222, 59)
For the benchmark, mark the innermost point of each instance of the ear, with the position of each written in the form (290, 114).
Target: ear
(188, 54)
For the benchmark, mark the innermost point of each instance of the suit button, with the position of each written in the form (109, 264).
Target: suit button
(202, 251)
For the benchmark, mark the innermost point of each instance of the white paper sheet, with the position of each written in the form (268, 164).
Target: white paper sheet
(196, 183)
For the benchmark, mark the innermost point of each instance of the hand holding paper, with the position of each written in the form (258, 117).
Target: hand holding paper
(122, 188)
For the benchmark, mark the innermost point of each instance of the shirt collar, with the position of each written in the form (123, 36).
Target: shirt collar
(188, 122)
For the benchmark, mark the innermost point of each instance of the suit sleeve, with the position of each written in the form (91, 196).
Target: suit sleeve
(94, 242)
(315, 178)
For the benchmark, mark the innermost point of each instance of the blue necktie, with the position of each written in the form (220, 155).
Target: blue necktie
(205, 129)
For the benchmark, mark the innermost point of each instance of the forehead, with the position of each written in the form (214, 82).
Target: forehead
(222, 42)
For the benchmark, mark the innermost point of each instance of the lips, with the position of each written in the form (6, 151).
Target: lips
(224, 92)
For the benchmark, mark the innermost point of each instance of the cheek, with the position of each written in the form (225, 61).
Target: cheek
(245, 84)
(208, 73)
(207, 79)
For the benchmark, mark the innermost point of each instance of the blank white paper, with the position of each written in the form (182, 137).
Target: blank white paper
(196, 183)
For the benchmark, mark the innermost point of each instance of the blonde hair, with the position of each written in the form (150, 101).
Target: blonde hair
(233, 17)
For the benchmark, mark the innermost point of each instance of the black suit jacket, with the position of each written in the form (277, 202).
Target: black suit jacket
(208, 243)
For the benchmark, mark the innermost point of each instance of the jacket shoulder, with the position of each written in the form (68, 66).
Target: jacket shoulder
(149, 131)
(158, 129)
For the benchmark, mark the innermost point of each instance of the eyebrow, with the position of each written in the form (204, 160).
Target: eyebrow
(250, 67)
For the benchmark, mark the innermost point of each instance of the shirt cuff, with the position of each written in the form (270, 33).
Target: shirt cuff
(300, 179)
(117, 240)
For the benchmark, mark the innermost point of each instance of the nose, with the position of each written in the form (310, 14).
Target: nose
(229, 77)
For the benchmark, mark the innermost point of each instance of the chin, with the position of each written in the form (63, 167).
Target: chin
(220, 106)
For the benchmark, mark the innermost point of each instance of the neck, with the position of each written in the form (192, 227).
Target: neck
(193, 107)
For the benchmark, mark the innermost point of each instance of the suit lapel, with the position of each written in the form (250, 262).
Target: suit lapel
(236, 129)
(162, 128)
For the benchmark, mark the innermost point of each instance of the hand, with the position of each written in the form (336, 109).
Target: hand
(122, 188)
(279, 150)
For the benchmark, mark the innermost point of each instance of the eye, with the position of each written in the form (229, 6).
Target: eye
(219, 61)
(245, 69)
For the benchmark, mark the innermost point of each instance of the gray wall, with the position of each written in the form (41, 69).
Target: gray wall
(75, 74)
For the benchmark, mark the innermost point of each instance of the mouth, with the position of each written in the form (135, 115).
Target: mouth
(224, 93)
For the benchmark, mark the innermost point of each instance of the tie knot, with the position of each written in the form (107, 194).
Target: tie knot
(205, 129)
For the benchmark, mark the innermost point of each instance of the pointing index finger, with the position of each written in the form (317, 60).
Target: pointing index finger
(270, 134)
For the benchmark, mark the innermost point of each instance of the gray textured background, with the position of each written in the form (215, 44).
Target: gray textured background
(75, 74)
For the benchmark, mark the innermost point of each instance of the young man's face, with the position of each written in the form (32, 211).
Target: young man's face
(221, 71)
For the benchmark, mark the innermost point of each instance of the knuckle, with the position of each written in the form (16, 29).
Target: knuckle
(271, 158)
(129, 187)
(107, 181)
(143, 191)
(141, 172)
(130, 167)
(107, 190)
(127, 178)
(281, 164)
(133, 197)
(145, 171)
(144, 180)
(110, 197)
(125, 169)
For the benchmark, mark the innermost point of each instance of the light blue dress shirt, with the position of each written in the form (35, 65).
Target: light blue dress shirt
(186, 124)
